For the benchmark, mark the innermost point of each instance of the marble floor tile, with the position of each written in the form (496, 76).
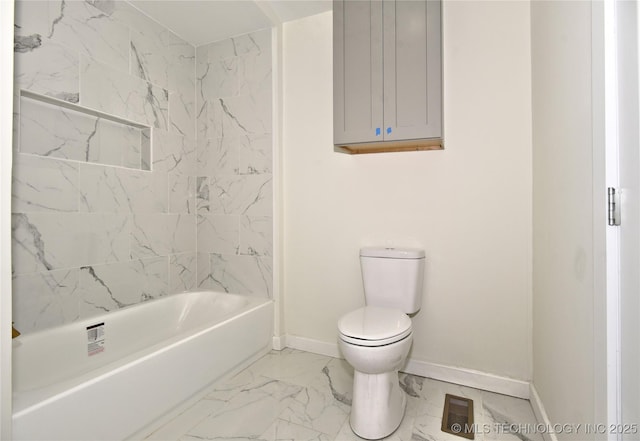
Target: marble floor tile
(296, 395)
(292, 366)
(181, 424)
(249, 413)
(316, 408)
(508, 418)
(284, 430)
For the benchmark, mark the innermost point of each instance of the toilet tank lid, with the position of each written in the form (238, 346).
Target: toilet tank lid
(392, 253)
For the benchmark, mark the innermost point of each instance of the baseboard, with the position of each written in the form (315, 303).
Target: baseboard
(450, 374)
(279, 342)
(540, 413)
(315, 346)
(469, 378)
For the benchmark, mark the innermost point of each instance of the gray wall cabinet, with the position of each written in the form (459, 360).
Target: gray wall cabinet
(387, 75)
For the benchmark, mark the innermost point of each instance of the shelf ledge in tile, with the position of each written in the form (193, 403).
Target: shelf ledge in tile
(82, 134)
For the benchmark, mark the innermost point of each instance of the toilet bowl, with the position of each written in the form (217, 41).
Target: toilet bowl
(376, 339)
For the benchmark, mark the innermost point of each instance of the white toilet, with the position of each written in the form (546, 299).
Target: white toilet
(376, 339)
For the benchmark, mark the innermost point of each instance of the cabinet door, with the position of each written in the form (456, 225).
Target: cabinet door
(357, 77)
(412, 70)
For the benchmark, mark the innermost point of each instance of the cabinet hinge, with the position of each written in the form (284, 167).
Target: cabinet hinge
(613, 203)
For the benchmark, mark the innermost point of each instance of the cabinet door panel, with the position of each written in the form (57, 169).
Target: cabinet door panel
(412, 70)
(357, 70)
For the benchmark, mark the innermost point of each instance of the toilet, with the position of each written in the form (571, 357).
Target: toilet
(376, 338)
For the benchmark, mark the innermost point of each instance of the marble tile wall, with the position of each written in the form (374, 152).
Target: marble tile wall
(92, 230)
(233, 169)
(87, 138)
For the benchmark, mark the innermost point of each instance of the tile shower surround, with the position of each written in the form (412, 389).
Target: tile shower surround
(91, 231)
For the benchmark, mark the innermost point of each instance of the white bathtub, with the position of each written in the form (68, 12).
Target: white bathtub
(155, 356)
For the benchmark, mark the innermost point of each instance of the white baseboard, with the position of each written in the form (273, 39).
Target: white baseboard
(279, 342)
(315, 346)
(540, 413)
(469, 378)
(450, 374)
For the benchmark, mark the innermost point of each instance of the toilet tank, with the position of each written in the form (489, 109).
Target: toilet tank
(393, 277)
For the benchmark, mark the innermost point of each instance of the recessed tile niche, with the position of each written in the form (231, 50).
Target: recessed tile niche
(108, 213)
(59, 129)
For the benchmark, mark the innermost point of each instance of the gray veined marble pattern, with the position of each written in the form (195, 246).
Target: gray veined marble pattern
(117, 285)
(240, 115)
(233, 87)
(244, 194)
(106, 89)
(99, 220)
(52, 131)
(173, 153)
(248, 414)
(31, 18)
(118, 190)
(162, 234)
(182, 68)
(251, 43)
(203, 92)
(41, 64)
(92, 199)
(43, 184)
(501, 412)
(181, 114)
(294, 395)
(48, 241)
(247, 154)
(233, 169)
(45, 299)
(182, 194)
(87, 29)
(255, 73)
(243, 75)
(149, 57)
(315, 407)
(182, 272)
(240, 274)
(255, 155)
(203, 269)
(203, 196)
(145, 149)
(218, 233)
(256, 235)
(46, 67)
(218, 156)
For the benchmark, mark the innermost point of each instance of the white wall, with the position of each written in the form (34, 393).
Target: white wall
(6, 132)
(468, 206)
(568, 228)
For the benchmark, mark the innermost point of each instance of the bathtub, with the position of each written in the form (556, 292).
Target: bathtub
(110, 376)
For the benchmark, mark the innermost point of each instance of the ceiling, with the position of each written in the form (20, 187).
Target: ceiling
(204, 21)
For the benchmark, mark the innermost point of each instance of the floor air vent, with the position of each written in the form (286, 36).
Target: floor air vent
(457, 417)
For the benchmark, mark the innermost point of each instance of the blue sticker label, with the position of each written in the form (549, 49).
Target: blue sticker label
(377, 131)
(388, 130)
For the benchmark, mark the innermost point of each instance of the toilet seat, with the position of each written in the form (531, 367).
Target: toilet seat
(374, 326)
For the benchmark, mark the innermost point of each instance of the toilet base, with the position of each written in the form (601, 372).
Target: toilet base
(378, 404)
